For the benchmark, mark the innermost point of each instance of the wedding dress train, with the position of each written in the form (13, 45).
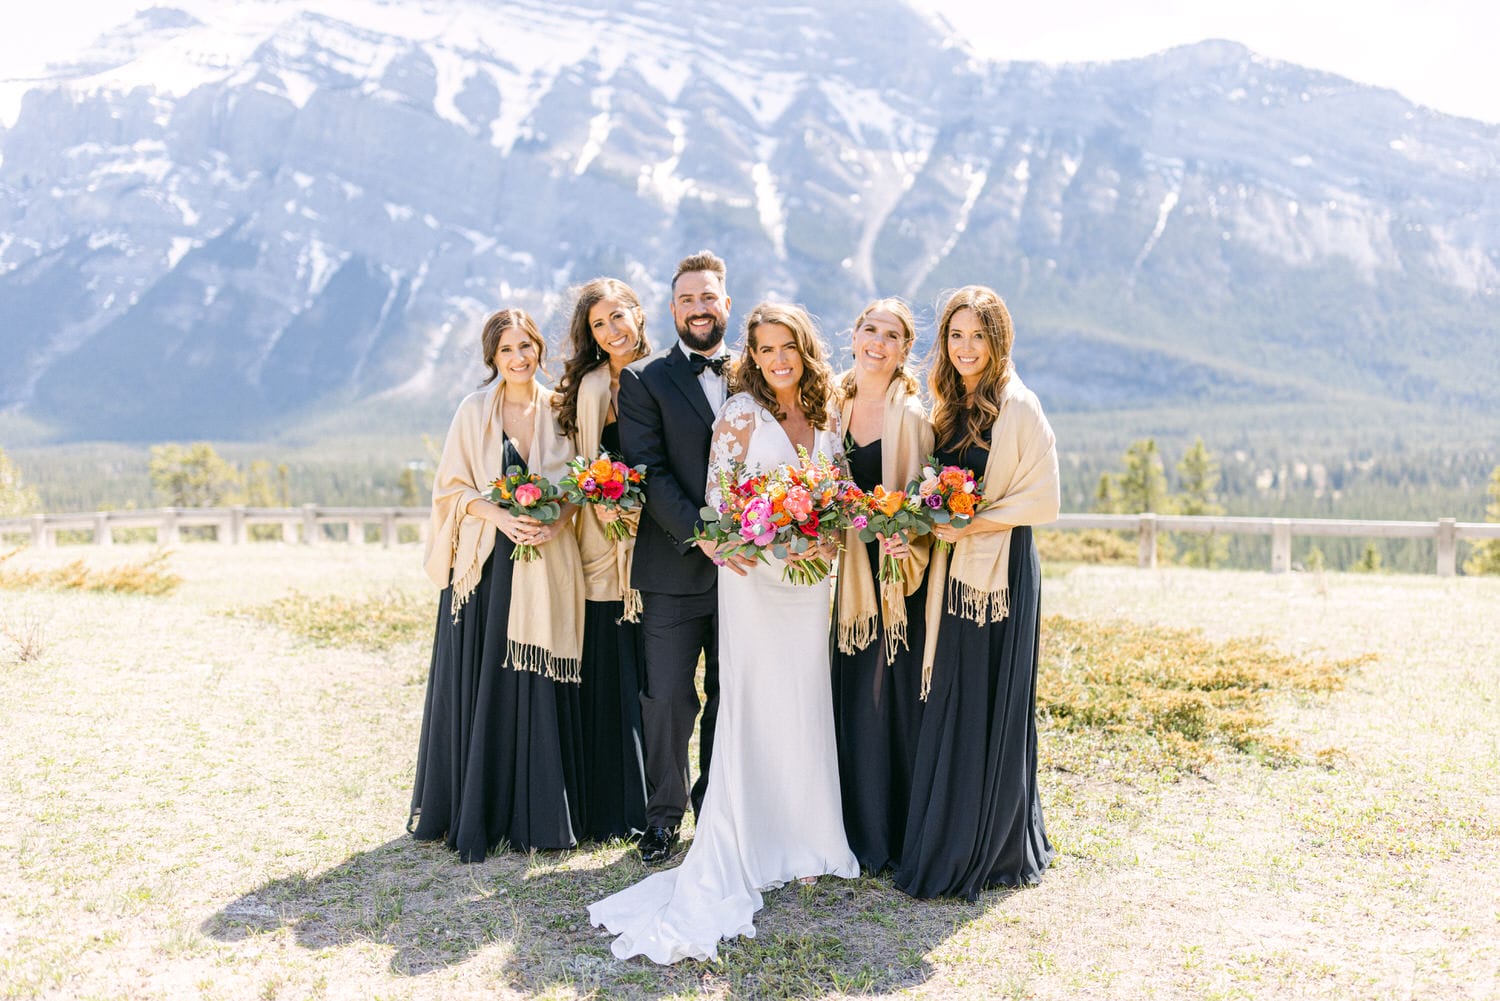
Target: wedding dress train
(772, 811)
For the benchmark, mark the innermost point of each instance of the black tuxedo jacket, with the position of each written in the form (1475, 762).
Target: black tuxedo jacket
(666, 424)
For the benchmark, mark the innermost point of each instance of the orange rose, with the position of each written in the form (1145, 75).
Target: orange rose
(602, 470)
(889, 501)
(962, 503)
(952, 477)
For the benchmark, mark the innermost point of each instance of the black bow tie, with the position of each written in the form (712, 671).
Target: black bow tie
(699, 363)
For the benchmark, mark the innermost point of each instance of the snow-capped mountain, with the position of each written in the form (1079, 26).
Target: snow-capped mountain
(213, 221)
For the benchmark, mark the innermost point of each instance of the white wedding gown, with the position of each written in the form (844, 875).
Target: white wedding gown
(771, 813)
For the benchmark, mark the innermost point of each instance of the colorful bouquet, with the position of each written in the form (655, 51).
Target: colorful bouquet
(528, 494)
(787, 511)
(947, 496)
(888, 513)
(608, 483)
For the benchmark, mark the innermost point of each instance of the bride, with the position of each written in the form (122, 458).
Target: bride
(772, 811)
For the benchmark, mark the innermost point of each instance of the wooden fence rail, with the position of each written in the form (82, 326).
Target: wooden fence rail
(309, 525)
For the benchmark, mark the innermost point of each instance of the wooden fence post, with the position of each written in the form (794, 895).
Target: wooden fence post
(102, 535)
(39, 537)
(1447, 547)
(237, 533)
(166, 533)
(1281, 545)
(310, 525)
(1148, 540)
(388, 529)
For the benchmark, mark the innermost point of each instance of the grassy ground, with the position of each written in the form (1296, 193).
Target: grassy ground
(211, 805)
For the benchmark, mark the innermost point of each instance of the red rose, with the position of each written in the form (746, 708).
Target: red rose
(809, 527)
(613, 490)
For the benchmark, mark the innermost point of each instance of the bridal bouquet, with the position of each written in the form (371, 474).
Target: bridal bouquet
(608, 483)
(947, 496)
(787, 511)
(528, 494)
(886, 512)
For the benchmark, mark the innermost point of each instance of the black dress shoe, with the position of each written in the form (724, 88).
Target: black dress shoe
(657, 845)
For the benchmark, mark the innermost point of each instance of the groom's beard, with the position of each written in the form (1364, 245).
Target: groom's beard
(706, 342)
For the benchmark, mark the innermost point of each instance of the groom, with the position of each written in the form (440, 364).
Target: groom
(667, 406)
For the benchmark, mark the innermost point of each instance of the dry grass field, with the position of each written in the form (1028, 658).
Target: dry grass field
(208, 791)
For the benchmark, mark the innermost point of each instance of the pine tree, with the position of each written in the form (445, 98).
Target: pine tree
(1143, 486)
(1486, 555)
(1370, 561)
(1198, 473)
(193, 475)
(1107, 495)
(16, 498)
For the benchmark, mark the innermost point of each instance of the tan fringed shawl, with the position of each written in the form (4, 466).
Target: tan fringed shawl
(545, 625)
(606, 563)
(1021, 487)
(905, 440)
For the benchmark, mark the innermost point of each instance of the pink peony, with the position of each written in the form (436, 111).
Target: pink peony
(757, 522)
(528, 494)
(859, 521)
(798, 503)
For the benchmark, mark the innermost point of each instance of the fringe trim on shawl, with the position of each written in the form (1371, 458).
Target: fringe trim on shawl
(539, 660)
(978, 606)
(632, 600)
(893, 600)
(463, 586)
(855, 636)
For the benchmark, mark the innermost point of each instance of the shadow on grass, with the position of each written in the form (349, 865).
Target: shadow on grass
(838, 937)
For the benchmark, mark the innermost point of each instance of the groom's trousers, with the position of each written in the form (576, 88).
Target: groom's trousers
(675, 629)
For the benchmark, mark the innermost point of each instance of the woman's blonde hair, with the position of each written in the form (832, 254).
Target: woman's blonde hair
(902, 312)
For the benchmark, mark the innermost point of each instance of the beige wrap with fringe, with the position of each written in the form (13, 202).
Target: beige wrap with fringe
(606, 562)
(905, 441)
(1021, 487)
(545, 626)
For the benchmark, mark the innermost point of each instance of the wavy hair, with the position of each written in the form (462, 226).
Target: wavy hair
(498, 323)
(587, 355)
(815, 390)
(902, 312)
(960, 418)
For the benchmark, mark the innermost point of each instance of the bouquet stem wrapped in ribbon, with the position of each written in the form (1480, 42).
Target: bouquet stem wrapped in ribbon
(529, 494)
(789, 511)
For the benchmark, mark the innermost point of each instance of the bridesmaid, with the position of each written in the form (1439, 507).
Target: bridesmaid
(498, 759)
(975, 818)
(877, 661)
(608, 332)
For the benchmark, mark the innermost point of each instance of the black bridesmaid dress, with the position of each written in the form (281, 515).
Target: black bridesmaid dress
(500, 753)
(877, 710)
(975, 819)
(614, 770)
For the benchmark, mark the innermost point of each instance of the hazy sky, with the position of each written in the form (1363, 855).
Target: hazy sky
(1440, 52)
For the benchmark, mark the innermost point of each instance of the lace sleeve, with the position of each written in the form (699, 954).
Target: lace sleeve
(731, 438)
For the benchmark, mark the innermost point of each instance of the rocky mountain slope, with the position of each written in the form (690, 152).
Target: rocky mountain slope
(210, 225)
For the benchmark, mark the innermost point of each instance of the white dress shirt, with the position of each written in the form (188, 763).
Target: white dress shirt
(715, 386)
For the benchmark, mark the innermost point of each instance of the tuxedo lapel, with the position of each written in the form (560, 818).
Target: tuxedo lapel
(682, 374)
